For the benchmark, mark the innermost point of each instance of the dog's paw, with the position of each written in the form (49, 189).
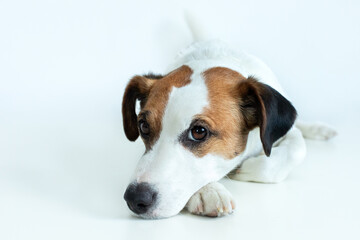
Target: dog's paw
(213, 200)
(317, 131)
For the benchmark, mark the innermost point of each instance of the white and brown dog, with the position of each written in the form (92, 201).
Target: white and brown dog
(215, 111)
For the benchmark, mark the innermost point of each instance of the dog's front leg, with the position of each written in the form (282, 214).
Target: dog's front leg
(212, 200)
(284, 157)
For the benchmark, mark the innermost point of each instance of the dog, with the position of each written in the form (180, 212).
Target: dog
(216, 112)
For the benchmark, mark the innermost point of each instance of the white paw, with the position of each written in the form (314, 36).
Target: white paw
(213, 200)
(317, 131)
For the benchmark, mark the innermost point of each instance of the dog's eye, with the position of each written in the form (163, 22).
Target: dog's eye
(144, 127)
(198, 133)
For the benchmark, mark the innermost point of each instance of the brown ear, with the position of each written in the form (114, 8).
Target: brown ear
(137, 89)
(265, 107)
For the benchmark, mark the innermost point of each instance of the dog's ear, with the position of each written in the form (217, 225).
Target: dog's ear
(137, 89)
(266, 108)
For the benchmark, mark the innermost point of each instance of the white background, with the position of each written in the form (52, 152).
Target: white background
(64, 159)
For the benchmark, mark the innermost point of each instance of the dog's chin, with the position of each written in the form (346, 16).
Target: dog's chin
(151, 216)
(161, 211)
(156, 215)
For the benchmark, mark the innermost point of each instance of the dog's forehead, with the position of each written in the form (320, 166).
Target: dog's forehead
(206, 91)
(184, 103)
(159, 94)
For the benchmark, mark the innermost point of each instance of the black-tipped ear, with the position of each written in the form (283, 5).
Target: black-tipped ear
(265, 107)
(137, 89)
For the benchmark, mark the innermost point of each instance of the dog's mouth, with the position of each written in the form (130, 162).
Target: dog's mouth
(145, 212)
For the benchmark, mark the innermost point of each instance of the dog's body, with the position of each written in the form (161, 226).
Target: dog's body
(215, 112)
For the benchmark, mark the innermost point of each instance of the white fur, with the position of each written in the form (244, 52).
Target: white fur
(316, 131)
(201, 56)
(212, 200)
(287, 153)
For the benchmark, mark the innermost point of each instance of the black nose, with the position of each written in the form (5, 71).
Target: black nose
(140, 197)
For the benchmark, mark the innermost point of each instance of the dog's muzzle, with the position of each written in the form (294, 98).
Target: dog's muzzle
(140, 197)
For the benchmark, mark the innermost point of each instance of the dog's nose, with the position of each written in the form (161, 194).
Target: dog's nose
(140, 197)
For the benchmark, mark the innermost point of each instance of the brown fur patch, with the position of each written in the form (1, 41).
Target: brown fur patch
(223, 115)
(157, 99)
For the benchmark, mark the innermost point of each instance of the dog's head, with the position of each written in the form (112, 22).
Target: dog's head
(195, 125)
